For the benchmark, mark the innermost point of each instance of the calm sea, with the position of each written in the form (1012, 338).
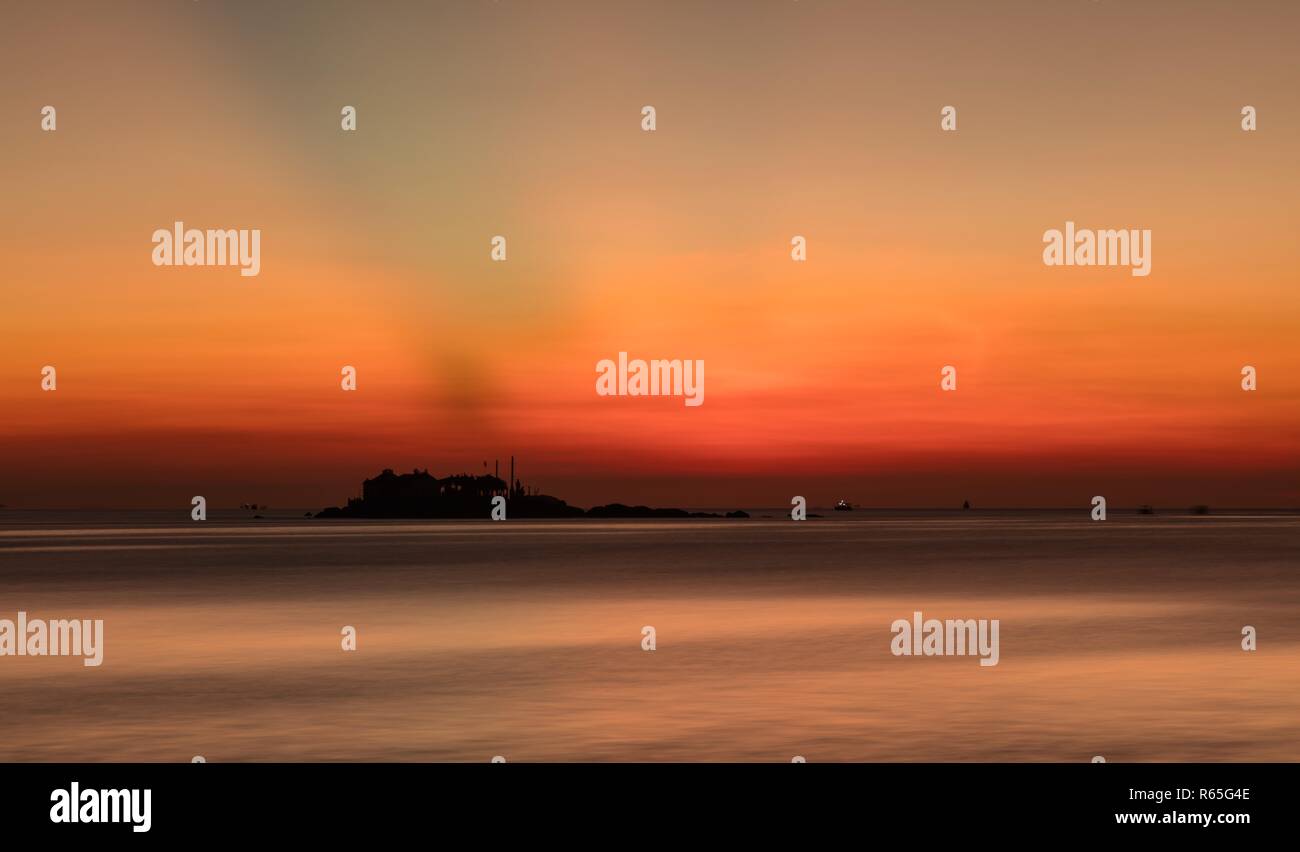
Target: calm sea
(523, 639)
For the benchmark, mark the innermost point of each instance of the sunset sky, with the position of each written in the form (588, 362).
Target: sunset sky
(774, 119)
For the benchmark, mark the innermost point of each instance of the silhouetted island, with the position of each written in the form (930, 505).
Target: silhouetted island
(419, 494)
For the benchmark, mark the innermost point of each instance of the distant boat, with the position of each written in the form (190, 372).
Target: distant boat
(965, 504)
(843, 506)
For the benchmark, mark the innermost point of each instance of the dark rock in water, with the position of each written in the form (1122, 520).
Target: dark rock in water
(307, 514)
(1200, 510)
(1146, 510)
(619, 510)
(739, 513)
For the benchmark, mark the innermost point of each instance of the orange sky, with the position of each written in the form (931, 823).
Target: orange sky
(774, 119)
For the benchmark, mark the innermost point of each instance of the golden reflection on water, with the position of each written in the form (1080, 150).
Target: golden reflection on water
(492, 657)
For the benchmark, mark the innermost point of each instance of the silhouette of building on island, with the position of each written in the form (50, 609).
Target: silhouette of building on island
(419, 494)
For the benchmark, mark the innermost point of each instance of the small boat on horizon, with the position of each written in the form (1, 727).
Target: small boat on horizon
(843, 506)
